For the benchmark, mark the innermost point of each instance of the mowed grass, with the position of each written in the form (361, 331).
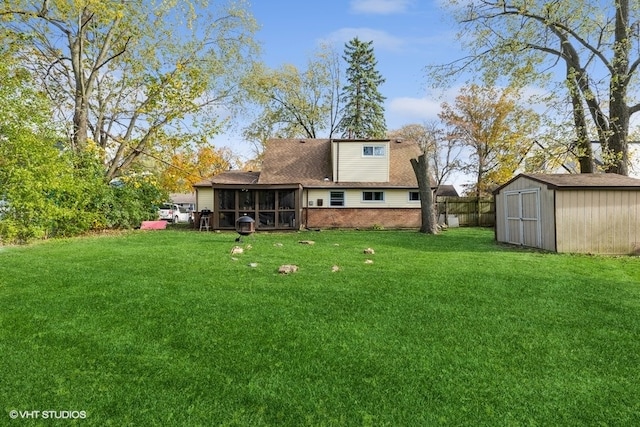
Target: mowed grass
(168, 328)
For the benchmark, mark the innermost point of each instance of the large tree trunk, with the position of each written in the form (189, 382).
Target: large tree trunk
(80, 123)
(85, 73)
(618, 109)
(616, 146)
(421, 169)
(582, 149)
(81, 105)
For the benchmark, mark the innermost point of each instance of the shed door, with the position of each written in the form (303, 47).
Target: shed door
(522, 213)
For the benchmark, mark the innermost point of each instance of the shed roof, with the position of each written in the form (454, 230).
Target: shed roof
(590, 181)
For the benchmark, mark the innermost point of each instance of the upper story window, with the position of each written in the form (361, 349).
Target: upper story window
(414, 196)
(374, 151)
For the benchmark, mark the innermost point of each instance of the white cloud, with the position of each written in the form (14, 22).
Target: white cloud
(380, 7)
(381, 39)
(410, 110)
(427, 108)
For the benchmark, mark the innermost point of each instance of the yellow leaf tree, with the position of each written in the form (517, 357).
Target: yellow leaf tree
(295, 103)
(187, 167)
(127, 73)
(585, 50)
(495, 130)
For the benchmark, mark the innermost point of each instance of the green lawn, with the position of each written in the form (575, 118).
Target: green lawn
(167, 328)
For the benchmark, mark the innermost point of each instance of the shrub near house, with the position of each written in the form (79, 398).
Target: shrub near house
(78, 203)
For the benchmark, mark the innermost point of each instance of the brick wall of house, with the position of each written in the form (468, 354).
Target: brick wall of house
(362, 218)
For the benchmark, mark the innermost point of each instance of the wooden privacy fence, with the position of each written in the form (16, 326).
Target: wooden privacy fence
(470, 211)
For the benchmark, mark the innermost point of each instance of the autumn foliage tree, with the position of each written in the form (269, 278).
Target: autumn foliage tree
(294, 102)
(125, 74)
(187, 167)
(585, 49)
(43, 193)
(444, 154)
(495, 130)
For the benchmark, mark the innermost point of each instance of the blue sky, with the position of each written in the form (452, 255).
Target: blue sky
(407, 35)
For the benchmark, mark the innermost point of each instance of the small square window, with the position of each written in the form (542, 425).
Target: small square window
(414, 196)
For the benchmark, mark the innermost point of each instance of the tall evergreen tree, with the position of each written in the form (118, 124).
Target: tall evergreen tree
(363, 112)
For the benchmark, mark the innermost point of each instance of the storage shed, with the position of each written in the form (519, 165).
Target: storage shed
(578, 213)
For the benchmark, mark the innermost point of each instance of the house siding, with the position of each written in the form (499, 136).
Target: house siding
(393, 198)
(350, 165)
(204, 198)
(598, 221)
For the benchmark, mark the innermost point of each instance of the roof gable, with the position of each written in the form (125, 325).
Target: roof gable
(308, 162)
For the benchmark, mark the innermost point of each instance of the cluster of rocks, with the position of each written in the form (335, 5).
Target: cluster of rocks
(292, 268)
(288, 268)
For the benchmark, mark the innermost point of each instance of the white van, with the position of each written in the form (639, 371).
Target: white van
(174, 213)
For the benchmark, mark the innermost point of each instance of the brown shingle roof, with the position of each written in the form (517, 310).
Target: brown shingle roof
(562, 181)
(203, 183)
(400, 170)
(236, 177)
(308, 162)
(296, 161)
(182, 197)
(447, 190)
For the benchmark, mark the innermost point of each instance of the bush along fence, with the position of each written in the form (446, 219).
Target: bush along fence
(469, 211)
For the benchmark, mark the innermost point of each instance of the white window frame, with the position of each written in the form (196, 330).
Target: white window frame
(331, 199)
(375, 151)
(414, 200)
(373, 195)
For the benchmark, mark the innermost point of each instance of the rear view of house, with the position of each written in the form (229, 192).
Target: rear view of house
(578, 213)
(319, 183)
